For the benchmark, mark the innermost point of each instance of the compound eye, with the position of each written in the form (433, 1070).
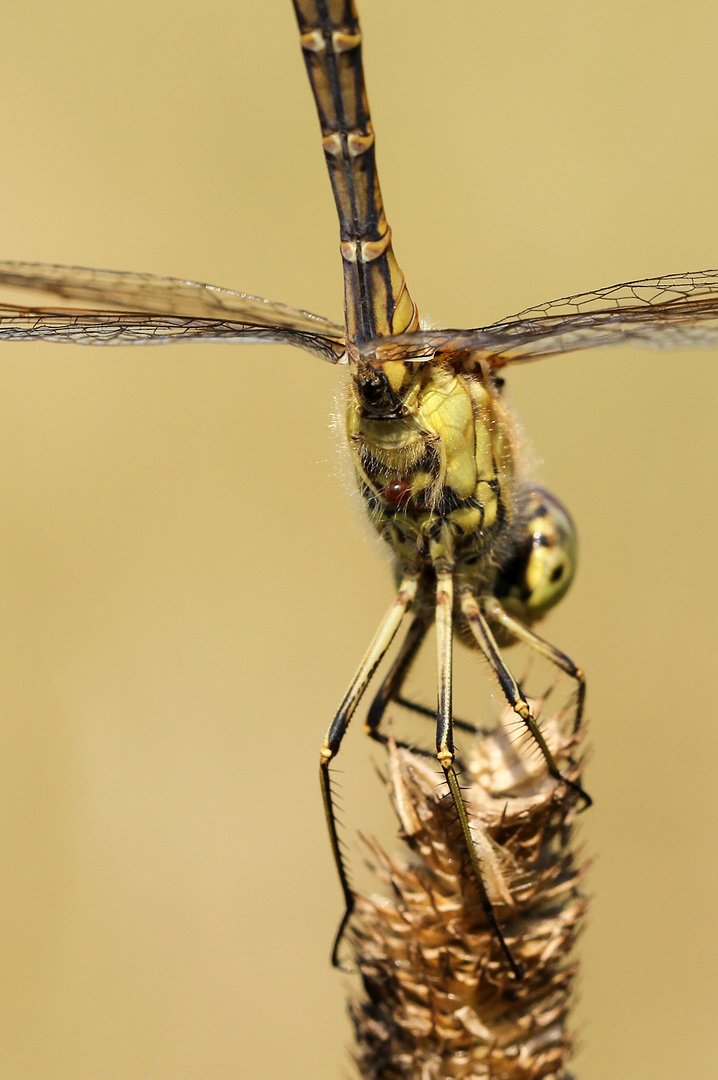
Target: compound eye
(376, 395)
(373, 389)
(541, 571)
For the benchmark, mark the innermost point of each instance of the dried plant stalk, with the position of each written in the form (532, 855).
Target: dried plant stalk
(440, 1000)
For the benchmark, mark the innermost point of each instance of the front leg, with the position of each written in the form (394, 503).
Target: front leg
(445, 748)
(330, 748)
(392, 685)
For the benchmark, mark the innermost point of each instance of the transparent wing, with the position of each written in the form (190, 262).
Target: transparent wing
(143, 328)
(168, 296)
(671, 312)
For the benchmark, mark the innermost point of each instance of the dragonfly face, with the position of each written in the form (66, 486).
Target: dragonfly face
(378, 396)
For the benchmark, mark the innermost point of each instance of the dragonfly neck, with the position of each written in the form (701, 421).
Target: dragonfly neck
(376, 300)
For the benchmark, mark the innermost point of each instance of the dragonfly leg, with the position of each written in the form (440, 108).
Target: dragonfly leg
(330, 748)
(511, 689)
(445, 748)
(391, 687)
(392, 684)
(495, 612)
(390, 690)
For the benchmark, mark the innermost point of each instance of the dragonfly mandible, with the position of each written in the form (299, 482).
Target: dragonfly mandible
(397, 369)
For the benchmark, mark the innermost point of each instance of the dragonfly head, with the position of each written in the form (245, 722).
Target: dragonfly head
(382, 390)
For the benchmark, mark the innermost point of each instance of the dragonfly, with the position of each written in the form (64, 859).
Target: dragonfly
(480, 551)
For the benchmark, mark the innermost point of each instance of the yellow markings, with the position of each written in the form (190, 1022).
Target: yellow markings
(406, 315)
(523, 710)
(489, 501)
(446, 410)
(396, 373)
(467, 519)
(348, 249)
(365, 251)
(332, 144)
(325, 755)
(340, 41)
(313, 41)
(421, 482)
(359, 142)
(372, 249)
(343, 42)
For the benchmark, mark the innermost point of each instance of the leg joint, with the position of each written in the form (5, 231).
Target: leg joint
(521, 707)
(445, 757)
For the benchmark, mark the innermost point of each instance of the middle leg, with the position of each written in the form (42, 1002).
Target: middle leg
(521, 632)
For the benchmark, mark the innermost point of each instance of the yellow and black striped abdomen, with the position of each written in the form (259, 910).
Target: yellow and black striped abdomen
(376, 300)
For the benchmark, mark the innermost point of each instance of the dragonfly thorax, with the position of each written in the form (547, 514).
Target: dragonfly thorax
(437, 475)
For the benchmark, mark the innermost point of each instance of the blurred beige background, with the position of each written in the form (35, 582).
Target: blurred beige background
(185, 583)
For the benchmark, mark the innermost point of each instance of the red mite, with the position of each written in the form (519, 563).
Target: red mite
(397, 490)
